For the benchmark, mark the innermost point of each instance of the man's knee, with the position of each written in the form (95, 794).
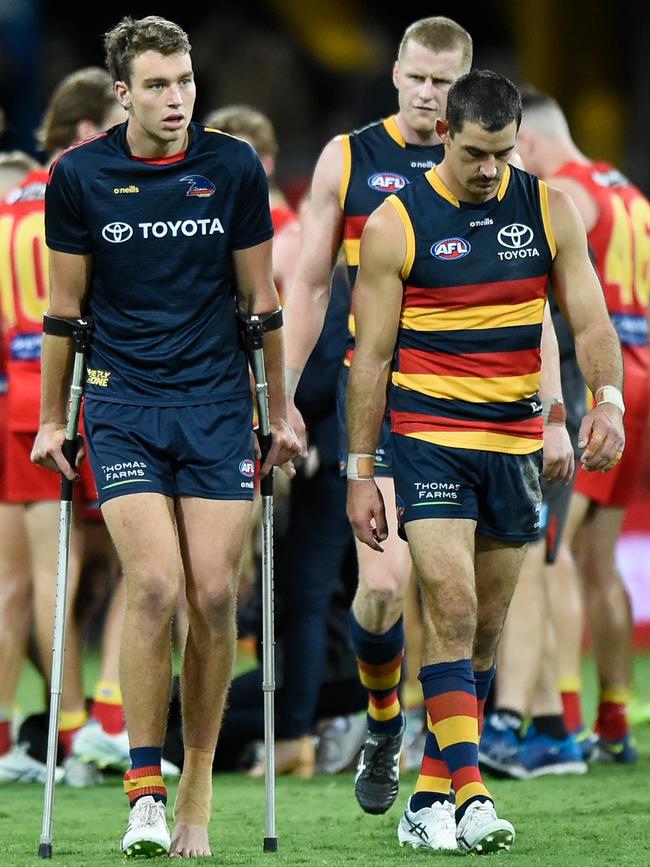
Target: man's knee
(153, 598)
(387, 586)
(214, 607)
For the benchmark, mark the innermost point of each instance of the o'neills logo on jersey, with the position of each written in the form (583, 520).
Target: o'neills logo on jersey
(118, 232)
(386, 182)
(450, 248)
(198, 186)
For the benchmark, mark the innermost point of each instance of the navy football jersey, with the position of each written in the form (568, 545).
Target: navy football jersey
(378, 161)
(467, 367)
(161, 234)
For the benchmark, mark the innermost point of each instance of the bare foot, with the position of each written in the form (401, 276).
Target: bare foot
(189, 841)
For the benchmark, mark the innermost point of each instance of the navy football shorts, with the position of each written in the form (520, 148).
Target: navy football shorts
(195, 451)
(384, 450)
(501, 492)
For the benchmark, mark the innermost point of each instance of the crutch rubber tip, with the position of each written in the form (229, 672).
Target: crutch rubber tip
(270, 844)
(45, 850)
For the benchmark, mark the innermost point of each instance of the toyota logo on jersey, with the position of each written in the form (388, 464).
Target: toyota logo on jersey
(386, 182)
(515, 236)
(117, 233)
(450, 248)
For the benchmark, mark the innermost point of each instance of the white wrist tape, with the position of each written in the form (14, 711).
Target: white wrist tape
(361, 468)
(610, 394)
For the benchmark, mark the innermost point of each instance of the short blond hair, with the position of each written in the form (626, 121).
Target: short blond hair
(439, 34)
(244, 120)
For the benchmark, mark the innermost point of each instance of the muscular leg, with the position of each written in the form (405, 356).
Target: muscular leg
(212, 535)
(545, 700)
(383, 578)
(610, 617)
(606, 598)
(567, 614)
(444, 554)
(520, 654)
(143, 531)
(412, 690)
(15, 609)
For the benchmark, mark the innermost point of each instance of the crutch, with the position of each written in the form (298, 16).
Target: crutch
(79, 331)
(254, 328)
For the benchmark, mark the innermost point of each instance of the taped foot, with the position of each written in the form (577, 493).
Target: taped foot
(189, 841)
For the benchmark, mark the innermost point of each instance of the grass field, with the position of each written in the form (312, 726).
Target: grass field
(598, 819)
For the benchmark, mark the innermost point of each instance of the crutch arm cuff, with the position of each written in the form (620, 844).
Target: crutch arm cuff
(77, 330)
(269, 321)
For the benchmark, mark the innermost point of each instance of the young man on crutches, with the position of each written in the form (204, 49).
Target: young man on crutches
(154, 227)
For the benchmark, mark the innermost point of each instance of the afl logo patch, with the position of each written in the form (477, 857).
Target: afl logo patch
(386, 182)
(450, 248)
(247, 468)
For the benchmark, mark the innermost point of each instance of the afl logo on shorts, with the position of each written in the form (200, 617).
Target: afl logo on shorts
(247, 468)
(450, 248)
(386, 182)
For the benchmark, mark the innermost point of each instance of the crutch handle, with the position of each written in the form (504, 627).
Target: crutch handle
(70, 449)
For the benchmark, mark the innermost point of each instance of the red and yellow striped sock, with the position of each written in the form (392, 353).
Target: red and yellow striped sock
(379, 658)
(107, 707)
(612, 723)
(571, 703)
(144, 776)
(450, 694)
(70, 721)
(434, 780)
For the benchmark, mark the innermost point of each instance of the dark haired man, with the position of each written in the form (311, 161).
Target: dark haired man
(450, 299)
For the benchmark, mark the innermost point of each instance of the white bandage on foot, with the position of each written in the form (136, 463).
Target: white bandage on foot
(193, 803)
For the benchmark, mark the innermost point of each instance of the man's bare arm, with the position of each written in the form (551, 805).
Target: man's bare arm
(598, 349)
(309, 291)
(558, 452)
(378, 301)
(257, 294)
(69, 277)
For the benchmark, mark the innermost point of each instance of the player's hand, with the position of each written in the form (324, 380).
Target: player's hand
(366, 513)
(47, 451)
(559, 462)
(296, 421)
(284, 447)
(602, 437)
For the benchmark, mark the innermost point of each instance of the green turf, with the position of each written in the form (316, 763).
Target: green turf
(598, 819)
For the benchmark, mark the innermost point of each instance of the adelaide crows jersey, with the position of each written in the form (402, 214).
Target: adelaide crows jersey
(377, 161)
(467, 366)
(161, 234)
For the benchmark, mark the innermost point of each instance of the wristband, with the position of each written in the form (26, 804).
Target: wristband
(610, 394)
(361, 468)
(553, 411)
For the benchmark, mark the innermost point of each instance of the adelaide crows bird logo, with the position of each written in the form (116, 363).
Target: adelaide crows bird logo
(198, 186)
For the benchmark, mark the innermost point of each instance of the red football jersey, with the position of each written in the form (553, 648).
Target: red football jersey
(23, 294)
